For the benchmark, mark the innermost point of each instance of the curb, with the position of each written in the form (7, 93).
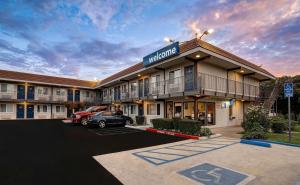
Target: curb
(255, 142)
(279, 143)
(172, 133)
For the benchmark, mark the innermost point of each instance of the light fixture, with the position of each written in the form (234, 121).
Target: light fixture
(209, 31)
(139, 75)
(242, 71)
(168, 39)
(243, 100)
(198, 56)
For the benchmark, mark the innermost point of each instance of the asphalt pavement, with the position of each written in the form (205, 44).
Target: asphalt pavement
(42, 152)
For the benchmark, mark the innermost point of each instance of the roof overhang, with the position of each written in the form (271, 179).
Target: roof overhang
(214, 59)
(43, 83)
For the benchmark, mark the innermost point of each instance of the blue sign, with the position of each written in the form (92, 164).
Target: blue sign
(162, 54)
(288, 90)
(209, 174)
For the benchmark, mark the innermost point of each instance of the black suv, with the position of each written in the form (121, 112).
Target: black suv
(102, 119)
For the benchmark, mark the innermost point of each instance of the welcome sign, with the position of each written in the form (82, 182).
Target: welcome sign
(162, 54)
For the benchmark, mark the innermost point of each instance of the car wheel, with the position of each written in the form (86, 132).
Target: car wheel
(101, 124)
(128, 122)
(84, 122)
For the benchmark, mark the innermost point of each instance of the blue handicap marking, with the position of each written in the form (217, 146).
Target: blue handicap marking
(209, 174)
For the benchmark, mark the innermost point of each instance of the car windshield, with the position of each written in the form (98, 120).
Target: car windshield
(98, 114)
(89, 109)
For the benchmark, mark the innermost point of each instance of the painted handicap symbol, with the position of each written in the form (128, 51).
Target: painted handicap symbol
(209, 174)
(212, 175)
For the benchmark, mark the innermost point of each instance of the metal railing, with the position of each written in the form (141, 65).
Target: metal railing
(8, 95)
(219, 84)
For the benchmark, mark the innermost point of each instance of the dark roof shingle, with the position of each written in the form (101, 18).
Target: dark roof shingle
(36, 78)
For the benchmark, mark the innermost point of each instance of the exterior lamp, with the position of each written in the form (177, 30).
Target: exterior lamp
(242, 71)
(168, 39)
(139, 75)
(198, 56)
(207, 32)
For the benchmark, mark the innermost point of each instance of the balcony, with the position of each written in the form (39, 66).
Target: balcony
(8, 95)
(214, 85)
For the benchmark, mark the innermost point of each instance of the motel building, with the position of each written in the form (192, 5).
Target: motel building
(32, 96)
(189, 80)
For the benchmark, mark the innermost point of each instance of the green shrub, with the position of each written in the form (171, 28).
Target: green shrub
(176, 123)
(255, 131)
(140, 120)
(205, 132)
(187, 126)
(163, 123)
(279, 126)
(259, 115)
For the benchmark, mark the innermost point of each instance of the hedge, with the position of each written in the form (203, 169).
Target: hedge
(185, 126)
(140, 120)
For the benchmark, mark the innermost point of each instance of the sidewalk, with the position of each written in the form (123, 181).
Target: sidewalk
(231, 131)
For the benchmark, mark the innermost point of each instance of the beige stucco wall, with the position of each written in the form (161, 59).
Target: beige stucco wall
(61, 97)
(42, 115)
(59, 115)
(9, 115)
(150, 117)
(222, 114)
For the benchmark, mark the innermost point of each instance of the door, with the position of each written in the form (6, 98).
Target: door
(20, 111)
(140, 88)
(30, 111)
(77, 95)
(70, 95)
(178, 110)
(21, 92)
(30, 92)
(140, 110)
(189, 78)
(146, 86)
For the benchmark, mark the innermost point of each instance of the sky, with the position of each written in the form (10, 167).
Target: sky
(92, 39)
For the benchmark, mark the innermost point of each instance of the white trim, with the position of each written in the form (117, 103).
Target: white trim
(36, 82)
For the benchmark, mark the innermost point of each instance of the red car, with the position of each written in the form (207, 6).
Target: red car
(82, 116)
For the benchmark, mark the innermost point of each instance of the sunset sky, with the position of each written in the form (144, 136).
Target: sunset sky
(94, 39)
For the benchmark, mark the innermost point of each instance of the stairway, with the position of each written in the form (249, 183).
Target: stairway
(268, 103)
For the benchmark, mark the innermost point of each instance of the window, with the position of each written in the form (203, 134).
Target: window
(60, 108)
(87, 94)
(43, 90)
(133, 89)
(125, 109)
(174, 76)
(153, 109)
(45, 107)
(133, 109)
(124, 88)
(6, 108)
(58, 92)
(2, 107)
(3, 87)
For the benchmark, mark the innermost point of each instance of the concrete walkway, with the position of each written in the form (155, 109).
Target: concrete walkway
(231, 131)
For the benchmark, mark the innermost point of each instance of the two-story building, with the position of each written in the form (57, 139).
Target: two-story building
(33, 96)
(191, 80)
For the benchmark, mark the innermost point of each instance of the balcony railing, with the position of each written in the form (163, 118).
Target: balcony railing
(9, 95)
(124, 95)
(157, 88)
(207, 82)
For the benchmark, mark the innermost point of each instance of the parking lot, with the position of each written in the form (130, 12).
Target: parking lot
(111, 131)
(41, 152)
(214, 161)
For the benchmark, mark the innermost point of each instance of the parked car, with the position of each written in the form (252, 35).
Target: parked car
(102, 119)
(82, 116)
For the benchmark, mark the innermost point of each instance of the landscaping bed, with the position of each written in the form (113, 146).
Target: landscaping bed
(181, 126)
